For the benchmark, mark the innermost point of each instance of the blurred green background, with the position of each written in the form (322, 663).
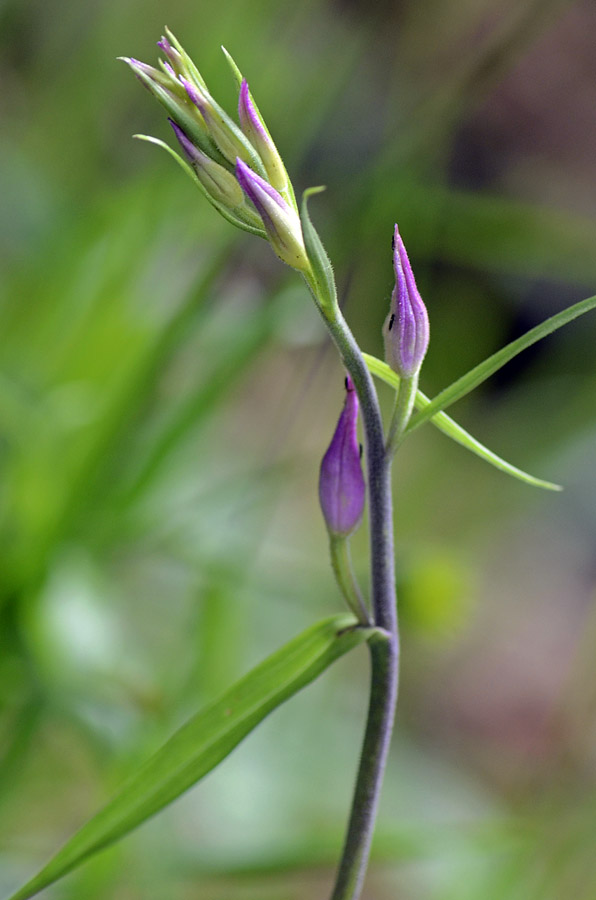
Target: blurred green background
(166, 394)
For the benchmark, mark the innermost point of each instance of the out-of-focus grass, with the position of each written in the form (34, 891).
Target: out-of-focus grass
(165, 397)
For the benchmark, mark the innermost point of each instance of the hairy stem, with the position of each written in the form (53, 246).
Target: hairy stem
(384, 656)
(384, 652)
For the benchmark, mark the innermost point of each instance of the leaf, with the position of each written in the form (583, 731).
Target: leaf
(485, 369)
(325, 292)
(446, 424)
(206, 739)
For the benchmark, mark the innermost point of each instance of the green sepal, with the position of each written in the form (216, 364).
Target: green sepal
(250, 156)
(188, 63)
(283, 185)
(205, 740)
(447, 425)
(182, 115)
(238, 76)
(323, 287)
(222, 210)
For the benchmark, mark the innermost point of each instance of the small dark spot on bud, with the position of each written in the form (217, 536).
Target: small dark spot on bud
(360, 450)
(393, 242)
(391, 321)
(346, 383)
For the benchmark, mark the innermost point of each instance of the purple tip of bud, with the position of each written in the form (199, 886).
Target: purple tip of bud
(169, 70)
(168, 50)
(407, 332)
(255, 187)
(190, 151)
(193, 94)
(341, 482)
(140, 69)
(247, 114)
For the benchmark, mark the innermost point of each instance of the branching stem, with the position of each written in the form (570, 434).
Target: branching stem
(384, 651)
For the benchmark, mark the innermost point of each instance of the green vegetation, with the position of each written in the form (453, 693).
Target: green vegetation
(165, 398)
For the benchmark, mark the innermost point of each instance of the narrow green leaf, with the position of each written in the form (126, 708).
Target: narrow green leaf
(485, 369)
(206, 739)
(446, 424)
(324, 288)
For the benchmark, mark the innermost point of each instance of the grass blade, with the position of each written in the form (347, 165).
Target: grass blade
(447, 425)
(484, 370)
(204, 741)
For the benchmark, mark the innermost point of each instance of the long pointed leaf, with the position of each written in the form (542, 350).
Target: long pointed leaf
(206, 739)
(446, 424)
(485, 369)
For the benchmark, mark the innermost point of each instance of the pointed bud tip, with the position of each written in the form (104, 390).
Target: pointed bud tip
(193, 94)
(190, 151)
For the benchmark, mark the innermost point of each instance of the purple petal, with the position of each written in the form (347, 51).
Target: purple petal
(190, 151)
(341, 482)
(193, 94)
(253, 185)
(249, 120)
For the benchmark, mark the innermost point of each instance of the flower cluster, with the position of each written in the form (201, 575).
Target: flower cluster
(238, 167)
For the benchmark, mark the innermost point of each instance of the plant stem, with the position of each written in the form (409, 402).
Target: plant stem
(384, 656)
(404, 404)
(339, 549)
(384, 651)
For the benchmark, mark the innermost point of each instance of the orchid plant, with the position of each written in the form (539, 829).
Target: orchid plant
(241, 173)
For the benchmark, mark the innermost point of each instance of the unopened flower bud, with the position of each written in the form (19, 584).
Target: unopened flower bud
(172, 54)
(341, 482)
(221, 186)
(224, 133)
(220, 183)
(406, 330)
(281, 221)
(256, 131)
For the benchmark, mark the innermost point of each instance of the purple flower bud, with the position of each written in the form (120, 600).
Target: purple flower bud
(148, 75)
(281, 222)
(341, 482)
(193, 155)
(406, 330)
(226, 135)
(254, 129)
(220, 185)
(194, 94)
(172, 54)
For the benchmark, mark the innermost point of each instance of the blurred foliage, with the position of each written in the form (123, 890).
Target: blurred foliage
(165, 397)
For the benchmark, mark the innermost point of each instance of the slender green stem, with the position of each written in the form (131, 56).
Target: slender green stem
(384, 655)
(404, 405)
(341, 561)
(384, 652)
